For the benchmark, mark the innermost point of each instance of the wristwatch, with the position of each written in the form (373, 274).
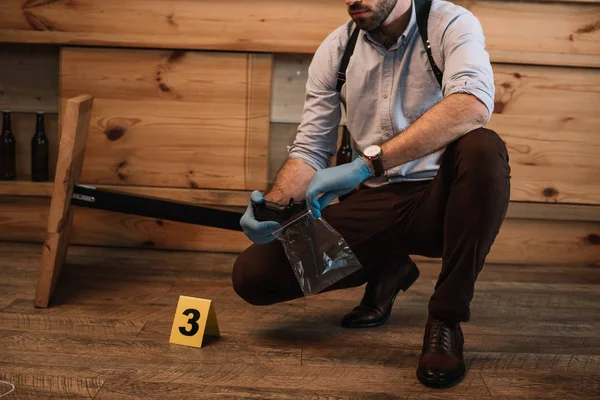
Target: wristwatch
(373, 153)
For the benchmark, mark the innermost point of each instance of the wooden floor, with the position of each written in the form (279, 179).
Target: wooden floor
(535, 333)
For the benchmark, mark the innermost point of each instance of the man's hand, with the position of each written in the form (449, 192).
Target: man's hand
(258, 232)
(335, 182)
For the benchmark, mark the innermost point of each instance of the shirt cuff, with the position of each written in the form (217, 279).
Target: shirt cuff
(475, 88)
(308, 157)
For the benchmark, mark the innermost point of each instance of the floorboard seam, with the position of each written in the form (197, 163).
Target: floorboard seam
(101, 386)
(140, 331)
(485, 384)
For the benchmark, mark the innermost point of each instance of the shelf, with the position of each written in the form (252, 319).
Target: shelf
(26, 188)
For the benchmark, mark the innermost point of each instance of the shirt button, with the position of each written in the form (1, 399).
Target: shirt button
(385, 96)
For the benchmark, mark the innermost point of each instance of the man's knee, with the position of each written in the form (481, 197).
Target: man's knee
(253, 280)
(482, 154)
(242, 280)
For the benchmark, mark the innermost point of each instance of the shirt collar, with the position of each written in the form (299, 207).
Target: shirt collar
(406, 35)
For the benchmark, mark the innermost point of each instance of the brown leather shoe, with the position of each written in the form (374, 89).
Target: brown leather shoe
(441, 364)
(381, 291)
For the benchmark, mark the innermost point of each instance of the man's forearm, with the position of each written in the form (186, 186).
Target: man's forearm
(291, 182)
(448, 120)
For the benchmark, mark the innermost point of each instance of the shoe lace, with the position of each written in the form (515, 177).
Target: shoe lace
(440, 336)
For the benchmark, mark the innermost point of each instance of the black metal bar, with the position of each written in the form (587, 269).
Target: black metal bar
(91, 197)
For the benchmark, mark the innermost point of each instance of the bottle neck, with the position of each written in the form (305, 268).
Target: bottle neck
(6, 122)
(345, 137)
(39, 125)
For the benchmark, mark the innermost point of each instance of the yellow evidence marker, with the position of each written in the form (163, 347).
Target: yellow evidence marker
(194, 318)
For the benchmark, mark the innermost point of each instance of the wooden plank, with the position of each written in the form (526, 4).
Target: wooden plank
(476, 361)
(29, 77)
(147, 105)
(87, 326)
(212, 197)
(557, 33)
(553, 211)
(130, 389)
(519, 241)
(524, 384)
(289, 350)
(23, 220)
(76, 121)
(548, 119)
(23, 125)
(45, 385)
(546, 242)
(381, 379)
(64, 363)
(547, 116)
(260, 67)
(225, 25)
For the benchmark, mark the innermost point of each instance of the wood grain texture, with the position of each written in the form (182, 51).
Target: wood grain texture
(548, 117)
(557, 33)
(520, 241)
(213, 197)
(45, 385)
(24, 221)
(75, 126)
(171, 118)
(28, 77)
(524, 384)
(108, 338)
(260, 67)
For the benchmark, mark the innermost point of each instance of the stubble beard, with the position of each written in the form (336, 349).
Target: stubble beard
(383, 10)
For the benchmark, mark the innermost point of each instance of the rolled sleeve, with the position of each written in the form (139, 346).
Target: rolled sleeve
(467, 66)
(316, 139)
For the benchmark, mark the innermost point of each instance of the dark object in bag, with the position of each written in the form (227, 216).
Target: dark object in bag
(269, 211)
(318, 254)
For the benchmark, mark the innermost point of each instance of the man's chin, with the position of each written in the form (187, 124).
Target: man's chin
(363, 23)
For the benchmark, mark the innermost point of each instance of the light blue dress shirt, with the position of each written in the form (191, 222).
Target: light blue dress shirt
(386, 90)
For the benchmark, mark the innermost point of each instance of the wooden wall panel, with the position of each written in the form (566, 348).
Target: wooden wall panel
(538, 33)
(171, 118)
(260, 68)
(521, 241)
(548, 117)
(28, 77)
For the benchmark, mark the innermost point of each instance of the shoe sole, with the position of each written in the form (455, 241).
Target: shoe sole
(437, 384)
(409, 282)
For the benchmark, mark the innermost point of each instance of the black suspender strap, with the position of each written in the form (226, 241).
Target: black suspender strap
(422, 8)
(341, 75)
(422, 11)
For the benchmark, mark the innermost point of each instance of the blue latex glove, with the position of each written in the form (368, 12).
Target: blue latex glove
(257, 231)
(335, 182)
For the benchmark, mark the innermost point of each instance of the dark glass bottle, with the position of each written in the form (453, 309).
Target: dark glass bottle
(39, 151)
(344, 153)
(8, 150)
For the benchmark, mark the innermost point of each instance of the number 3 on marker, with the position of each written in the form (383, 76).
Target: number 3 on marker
(194, 316)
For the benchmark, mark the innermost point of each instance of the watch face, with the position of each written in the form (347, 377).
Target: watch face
(372, 151)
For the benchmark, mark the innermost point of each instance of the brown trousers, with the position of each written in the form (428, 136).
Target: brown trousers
(455, 216)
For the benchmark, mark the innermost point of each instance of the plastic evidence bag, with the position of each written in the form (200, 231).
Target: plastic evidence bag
(319, 255)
